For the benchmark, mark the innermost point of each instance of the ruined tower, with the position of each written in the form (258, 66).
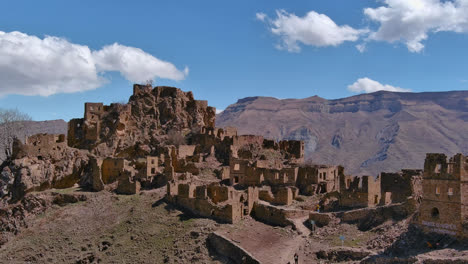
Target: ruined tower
(444, 207)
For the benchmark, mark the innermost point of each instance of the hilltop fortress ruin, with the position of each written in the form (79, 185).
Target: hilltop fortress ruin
(163, 137)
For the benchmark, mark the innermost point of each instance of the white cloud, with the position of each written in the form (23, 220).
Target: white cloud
(361, 47)
(313, 29)
(135, 64)
(219, 111)
(407, 21)
(410, 21)
(261, 16)
(33, 66)
(367, 85)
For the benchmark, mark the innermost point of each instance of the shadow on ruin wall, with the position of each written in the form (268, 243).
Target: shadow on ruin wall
(368, 218)
(170, 207)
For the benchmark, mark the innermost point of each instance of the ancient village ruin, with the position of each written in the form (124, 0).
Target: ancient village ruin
(164, 137)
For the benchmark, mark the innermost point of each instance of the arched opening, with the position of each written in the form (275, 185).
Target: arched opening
(435, 212)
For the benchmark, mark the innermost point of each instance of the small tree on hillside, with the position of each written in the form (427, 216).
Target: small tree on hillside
(149, 83)
(176, 138)
(11, 123)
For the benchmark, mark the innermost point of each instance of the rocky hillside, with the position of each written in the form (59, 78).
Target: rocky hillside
(369, 133)
(28, 128)
(139, 127)
(153, 119)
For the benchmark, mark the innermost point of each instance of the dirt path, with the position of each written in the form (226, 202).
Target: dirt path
(300, 227)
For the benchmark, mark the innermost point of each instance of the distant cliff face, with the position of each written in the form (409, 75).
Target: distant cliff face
(368, 134)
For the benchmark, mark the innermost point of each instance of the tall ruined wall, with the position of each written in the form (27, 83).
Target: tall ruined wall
(360, 192)
(307, 176)
(112, 169)
(397, 187)
(464, 195)
(443, 207)
(373, 190)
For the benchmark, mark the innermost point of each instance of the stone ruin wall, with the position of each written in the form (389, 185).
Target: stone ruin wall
(222, 203)
(397, 187)
(41, 145)
(278, 195)
(361, 191)
(444, 204)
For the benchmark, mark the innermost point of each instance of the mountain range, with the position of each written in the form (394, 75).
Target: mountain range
(368, 133)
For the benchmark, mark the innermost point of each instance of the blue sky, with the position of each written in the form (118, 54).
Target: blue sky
(225, 50)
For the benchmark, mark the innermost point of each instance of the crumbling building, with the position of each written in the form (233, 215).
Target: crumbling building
(314, 179)
(444, 206)
(41, 146)
(222, 203)
(356, 192)
(398, 187)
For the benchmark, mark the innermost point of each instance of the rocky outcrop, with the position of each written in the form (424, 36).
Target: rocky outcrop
(63, 199)
(137, 128)
(170, 108)
(62, 169)
(15, 217)
(94, 181)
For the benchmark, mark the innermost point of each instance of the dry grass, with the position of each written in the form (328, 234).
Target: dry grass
(112, 229)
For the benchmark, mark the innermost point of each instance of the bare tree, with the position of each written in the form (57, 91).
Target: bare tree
(11, 123)
(149, 83)
(176, 138)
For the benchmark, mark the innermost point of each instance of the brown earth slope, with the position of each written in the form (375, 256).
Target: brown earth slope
(107, 228)
(369, 133)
